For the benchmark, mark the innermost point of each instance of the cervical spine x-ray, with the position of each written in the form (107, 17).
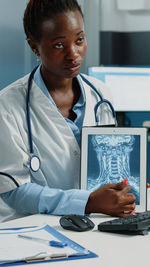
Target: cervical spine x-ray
(113, 158)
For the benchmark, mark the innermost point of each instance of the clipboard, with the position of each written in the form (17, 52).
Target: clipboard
(70, 243)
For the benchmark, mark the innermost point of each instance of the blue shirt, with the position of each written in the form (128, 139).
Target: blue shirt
(32, 198)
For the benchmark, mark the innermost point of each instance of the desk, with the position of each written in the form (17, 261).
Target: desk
(114, 250)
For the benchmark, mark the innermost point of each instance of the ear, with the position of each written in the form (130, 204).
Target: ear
(34, 46)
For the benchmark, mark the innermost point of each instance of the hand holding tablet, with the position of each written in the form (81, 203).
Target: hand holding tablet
(112, 199)
(112, 155)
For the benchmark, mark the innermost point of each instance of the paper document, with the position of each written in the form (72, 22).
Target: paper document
(14, 249)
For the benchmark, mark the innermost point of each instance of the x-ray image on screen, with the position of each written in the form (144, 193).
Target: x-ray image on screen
(113, 158)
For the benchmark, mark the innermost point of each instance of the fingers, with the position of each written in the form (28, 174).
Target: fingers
(126, 189)
(118, 186)
(127, 211)
(121, 186)
(129, 208)
(125, 214)
(112, 199)
(128, 199)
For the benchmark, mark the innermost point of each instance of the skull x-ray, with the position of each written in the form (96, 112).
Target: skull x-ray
(111, 159)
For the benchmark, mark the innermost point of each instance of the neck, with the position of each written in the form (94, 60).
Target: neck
(55, 83)
(65, 93)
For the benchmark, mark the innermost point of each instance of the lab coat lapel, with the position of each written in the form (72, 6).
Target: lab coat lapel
(40, 101)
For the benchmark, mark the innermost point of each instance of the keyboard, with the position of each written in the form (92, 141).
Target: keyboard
(138, 223)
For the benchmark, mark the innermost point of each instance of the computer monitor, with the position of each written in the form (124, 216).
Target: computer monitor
(129, 87)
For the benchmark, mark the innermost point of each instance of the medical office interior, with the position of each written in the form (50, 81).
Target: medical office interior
(118, 34)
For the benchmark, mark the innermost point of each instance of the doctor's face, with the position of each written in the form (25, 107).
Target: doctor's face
(62, 45)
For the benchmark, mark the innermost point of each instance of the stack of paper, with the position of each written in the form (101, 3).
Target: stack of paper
(16, 249)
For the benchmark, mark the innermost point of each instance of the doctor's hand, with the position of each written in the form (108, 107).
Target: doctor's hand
(112, 199)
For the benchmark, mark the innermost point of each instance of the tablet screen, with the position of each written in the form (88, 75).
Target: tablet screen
(112, 154)
(113, 159)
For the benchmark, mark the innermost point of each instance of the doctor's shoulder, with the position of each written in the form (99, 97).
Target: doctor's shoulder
(14, 94)
(100, 86)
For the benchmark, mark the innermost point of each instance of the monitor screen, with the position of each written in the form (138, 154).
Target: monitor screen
(125, 85)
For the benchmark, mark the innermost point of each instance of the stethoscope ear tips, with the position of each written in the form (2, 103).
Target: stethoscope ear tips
(34, 163)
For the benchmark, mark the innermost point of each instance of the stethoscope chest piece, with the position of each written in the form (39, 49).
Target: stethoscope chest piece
(34, 163)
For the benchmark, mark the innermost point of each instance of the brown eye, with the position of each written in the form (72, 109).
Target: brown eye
(80, 40)
(58, 45)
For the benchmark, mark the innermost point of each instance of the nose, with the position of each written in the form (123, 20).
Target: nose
(72, 52)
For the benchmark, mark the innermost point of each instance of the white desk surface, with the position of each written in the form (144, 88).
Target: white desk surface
(114, 250)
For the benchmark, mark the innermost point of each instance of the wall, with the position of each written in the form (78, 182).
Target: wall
(92, 16)
(15, 55)
(16, 58)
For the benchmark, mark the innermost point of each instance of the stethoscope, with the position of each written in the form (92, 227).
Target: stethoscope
(34, 161)
(102, 101)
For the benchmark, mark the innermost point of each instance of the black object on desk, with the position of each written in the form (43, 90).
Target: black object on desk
(135, 224)
(77, 223)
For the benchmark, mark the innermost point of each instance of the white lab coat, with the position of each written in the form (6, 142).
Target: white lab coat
(53, 140)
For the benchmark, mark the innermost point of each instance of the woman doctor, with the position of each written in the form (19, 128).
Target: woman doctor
(61, 102)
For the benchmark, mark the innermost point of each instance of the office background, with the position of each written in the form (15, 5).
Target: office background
(115, 35)
(16, 58)
(118, 33)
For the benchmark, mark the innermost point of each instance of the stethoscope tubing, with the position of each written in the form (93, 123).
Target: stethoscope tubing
(10, 177)
(100, 103)
(102, 100)
(28, 111)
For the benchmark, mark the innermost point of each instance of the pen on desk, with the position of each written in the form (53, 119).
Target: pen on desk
(51, 243)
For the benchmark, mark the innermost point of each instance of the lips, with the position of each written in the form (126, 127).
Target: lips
(73, 67)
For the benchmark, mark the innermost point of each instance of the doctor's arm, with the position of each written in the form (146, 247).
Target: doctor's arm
(32, 198)
(112, 199)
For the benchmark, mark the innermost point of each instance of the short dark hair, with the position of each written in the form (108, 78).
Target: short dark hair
(38, 11)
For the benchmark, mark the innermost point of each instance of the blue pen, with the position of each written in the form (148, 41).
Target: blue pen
(51, 243)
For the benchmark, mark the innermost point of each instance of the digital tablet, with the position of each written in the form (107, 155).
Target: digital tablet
(112, 154)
